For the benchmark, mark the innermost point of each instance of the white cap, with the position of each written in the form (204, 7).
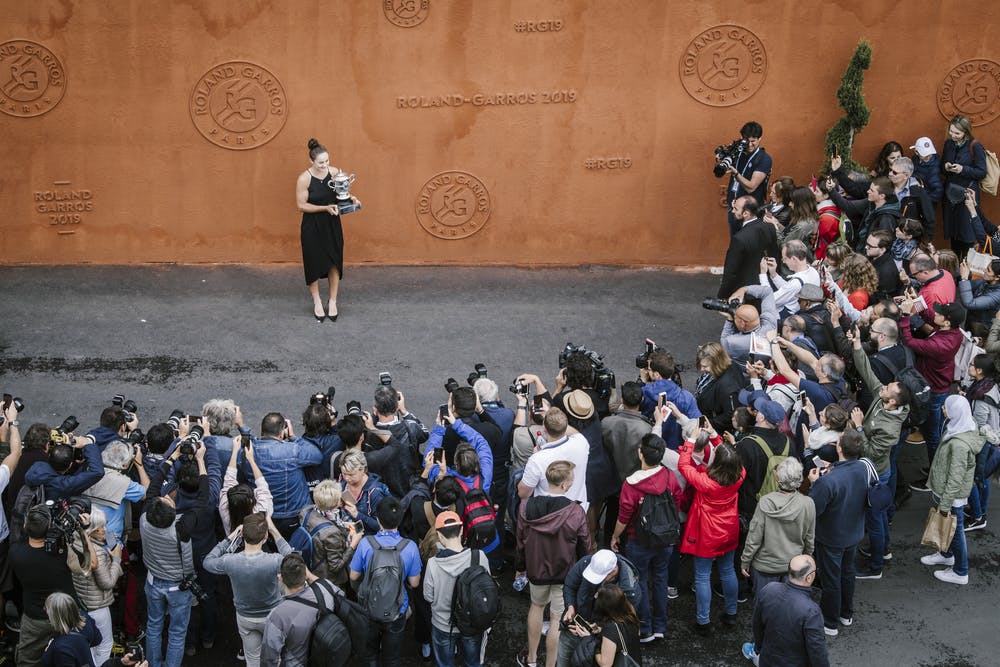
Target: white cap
(924, 147)
(600, 566)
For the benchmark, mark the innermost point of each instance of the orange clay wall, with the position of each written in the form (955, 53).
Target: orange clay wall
(557, 132)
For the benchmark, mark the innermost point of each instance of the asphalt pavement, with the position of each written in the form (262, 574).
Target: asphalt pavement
(174, 336)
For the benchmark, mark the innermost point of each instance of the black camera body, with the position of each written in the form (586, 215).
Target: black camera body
(190, 583)
(16, 400)
(451, 385)
(479, 372)
(385, 379)
(642, 360)
(64, 522)
(604, 378)
(354, 408)
(519, 388)
(190, 443)
(726, 156)
(721, 305)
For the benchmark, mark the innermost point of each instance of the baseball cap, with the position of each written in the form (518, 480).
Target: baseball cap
(924, 147)
(748, 396)
(810, 292)
(578, 404)
(772, 410)
(954, 312)
(447, 518)
(600, 566)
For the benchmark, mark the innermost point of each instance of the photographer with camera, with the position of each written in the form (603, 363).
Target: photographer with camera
(657, 379)
(282, 458)
(65, 474)
(744, 320)
(392, 443)
(44, 565)
(116, 424)
(748, 166)
(751, 242)
(168, 554)
(113, 490)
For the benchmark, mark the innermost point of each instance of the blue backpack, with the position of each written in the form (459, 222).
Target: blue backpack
(302, 539)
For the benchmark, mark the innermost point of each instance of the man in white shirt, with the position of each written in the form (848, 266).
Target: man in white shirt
(561, 444)
(795, 256)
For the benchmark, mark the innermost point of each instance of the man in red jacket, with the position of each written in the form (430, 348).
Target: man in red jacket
(652, 479)
(935, 359)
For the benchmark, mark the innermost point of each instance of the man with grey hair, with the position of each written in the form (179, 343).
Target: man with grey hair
(221, 416)
(503, 417)
(783, 526)
(914, 201)
(787, 623)
(116, 488)
(796, 257)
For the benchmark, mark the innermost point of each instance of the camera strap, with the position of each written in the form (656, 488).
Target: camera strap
(180, 551)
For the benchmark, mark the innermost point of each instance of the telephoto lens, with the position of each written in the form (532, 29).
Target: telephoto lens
(196, 432)
(69, 424)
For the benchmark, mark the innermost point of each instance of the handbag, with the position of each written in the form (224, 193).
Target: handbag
(622, 658)
(939, 530)
(879, 494)
(584, 651)
(979, 260)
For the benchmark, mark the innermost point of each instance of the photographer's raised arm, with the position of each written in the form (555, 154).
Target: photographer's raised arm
(14, 439)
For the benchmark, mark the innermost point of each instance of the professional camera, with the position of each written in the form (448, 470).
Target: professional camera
(136, 437)
(385, 379)
(642, 360)
(325, 399)
(189, 444)
(480, 372)
(451, 385)
(190, 583)
(58, 437)
(175, 419)
(69, 425)
(18, 403)
(64, 523)
(134, 650)
(354, 408)
(721, 305)
(519, 388)
(726, 156)
(604, 378)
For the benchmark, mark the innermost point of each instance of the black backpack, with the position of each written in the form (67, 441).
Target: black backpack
(329, 642)
(659, 523)
(919, 389)
(479, 520)
(382, 592)
(476, 602)
(27, 497)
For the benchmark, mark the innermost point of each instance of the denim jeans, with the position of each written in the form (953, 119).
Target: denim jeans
(877, 526)
(761, 579)
(958, 547)
(674, 567)
(703, 586)
(836, 575)
(384, 643)
(652, 565)
(931, 428)
(204, 626)
(979, 498)
(445, 644)
(894, 468)
(164, 597)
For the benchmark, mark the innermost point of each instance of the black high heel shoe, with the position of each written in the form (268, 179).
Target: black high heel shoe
(319, 318)
(333, 318)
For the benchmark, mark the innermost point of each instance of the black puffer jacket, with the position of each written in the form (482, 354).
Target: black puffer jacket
(719, 398)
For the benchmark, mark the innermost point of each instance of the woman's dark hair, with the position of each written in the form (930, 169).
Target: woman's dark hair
(881, 166)
(725, 467)
(912, 227)
(350, 428)
(612, 605)
(803, 206)
(446, 491)
(316, 420)
(466, 460)
(241, 502)
(783, 187)
(315, 148)
(986, 363)
(579, 371)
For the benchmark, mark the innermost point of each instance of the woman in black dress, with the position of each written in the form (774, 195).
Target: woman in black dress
(322, 235)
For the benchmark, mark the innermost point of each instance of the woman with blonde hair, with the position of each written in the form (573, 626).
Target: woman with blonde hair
(964, 163)
(96, 588)
(75, 634)
(334, 535)
(361, 491)
(718, 385)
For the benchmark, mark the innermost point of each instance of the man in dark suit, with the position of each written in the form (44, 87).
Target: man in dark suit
(754, 239)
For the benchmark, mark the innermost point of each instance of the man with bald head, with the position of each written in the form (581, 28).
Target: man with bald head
(746, 320)
(787, 623)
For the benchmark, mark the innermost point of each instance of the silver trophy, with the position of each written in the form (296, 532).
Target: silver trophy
(341, 184)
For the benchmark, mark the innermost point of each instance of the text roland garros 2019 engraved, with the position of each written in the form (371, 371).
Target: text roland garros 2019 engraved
(32, 80)
(501, 99)
(723, 66)
(238, 105)
(453, 205)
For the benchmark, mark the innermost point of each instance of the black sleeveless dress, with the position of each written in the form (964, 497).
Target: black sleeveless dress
(322, 235)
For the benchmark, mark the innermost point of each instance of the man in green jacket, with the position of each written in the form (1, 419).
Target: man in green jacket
(881, 426)
(950, 480)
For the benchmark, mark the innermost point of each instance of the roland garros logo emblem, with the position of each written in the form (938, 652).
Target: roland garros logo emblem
(723, 66)
(406, 13)
(971, 89)
(453, 205)
(32, 80)
(238, 105)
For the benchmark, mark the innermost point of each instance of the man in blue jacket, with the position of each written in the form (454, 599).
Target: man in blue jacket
(60, 477)
(787, 623)
(840, 494)
(656, 377)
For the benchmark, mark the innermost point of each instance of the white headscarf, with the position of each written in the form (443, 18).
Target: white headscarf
(960, 419)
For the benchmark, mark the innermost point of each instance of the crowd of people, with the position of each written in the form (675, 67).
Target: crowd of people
(847, 335)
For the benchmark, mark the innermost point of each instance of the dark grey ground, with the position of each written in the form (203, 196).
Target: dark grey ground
(172, 337)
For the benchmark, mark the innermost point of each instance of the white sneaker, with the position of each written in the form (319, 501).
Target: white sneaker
(672, 593)
(831, 632)
(937, 559)
(846, 621)
(950, 577)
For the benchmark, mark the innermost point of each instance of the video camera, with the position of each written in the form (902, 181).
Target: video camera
(604, 378)
(726, 156)
(64, 522)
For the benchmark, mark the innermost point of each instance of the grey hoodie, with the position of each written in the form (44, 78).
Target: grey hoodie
(439, 584)
(783, 526)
